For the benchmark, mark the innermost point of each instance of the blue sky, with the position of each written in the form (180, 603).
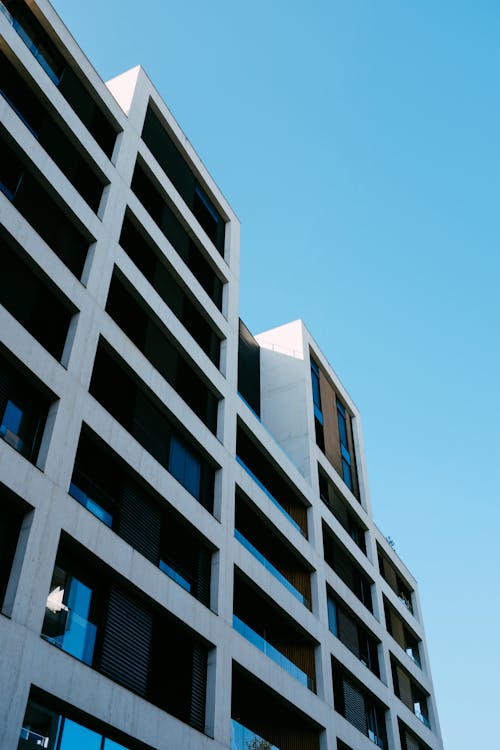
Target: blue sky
(359, 144)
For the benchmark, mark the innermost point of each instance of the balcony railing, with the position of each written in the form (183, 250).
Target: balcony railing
(272, 652)
(244, 739)
(271, 497)
(270, 567)
(422, 717)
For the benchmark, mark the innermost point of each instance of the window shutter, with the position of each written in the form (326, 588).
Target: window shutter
(198, 688)
(139, 524)
(202, 576)
(354, 706)
(348, 632)
(127, 643)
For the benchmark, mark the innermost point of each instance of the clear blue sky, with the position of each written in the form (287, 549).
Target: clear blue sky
(359, 143)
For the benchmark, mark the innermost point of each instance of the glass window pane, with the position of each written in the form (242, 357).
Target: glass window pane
(76, 737)
(111, 745)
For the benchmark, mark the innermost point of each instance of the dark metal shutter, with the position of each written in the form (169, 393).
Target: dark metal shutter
(198, 688)
(127, 643)
(348, 631)
(202, 576)
(140, 524)
(354, 706)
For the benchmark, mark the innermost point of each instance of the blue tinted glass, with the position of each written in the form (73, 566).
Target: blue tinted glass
(76, 737)
(12, 417)
(79, 598)
(184, 466)
(174, 575)
(342, 429)
(192, 474)
(332, 616)
(346, 473)
(177, 459)
(111, 745)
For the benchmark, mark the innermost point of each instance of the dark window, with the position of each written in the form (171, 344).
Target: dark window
(261, 719)
(100, 619)
(36, 116)
(409, 740)
(32, 299)
(348, 629)
(346, 568)
(33, 199)
(12, 511)
(333, 499)
(401, 633)
(393, 578)
(138, 411)
(150, 261)
(410, 692)
(358, 706)
(263, 470)
(139, 322)
(23, 411)
(170, 158)
(112, 492)
(162, 212)
(48, 54)
(249, 369)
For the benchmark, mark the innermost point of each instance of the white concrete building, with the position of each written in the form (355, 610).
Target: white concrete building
(187, 552)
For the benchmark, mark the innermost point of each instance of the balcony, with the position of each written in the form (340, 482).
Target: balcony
(138, 321)
(267, 721)
(263, 470)
(410, 692)
(260, 538)
(391, 575)
(273, 653)
(243, 738)
(154, 266)
(257, 618)
(48, 54)
(344, 565)
(112, 492)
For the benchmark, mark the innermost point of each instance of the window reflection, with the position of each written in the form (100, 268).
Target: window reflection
(45, 728)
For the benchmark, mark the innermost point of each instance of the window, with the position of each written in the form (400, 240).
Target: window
(344, 445)
(22, 412)
(113, 492)
(358, 706)
(340, 508)
(347, 628)
(346, 568)
(409, 692)
(163, 147)
(68, 615)
(47, 724)
(99, 618)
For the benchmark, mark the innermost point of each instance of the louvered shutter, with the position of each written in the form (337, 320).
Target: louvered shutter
(139, 524)
(202, 576)
(198, 688)
(354, 706)
(348, 632)
(127, 643)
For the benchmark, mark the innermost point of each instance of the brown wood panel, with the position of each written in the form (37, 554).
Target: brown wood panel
(330, 423)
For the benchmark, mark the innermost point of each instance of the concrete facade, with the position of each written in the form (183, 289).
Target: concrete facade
(284, 433)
